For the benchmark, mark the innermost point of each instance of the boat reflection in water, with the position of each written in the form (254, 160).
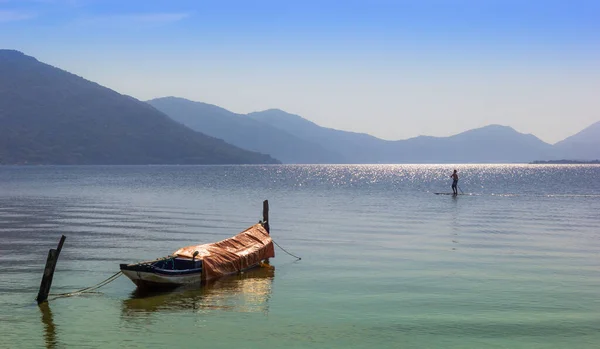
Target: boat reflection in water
(245, 292)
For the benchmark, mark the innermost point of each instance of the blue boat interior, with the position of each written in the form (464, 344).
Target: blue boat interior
(169, 266)
(177, 264)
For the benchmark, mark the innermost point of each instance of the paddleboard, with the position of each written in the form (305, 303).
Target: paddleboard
(447, 194)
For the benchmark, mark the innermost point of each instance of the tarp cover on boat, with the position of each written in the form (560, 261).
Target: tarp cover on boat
(232, 255)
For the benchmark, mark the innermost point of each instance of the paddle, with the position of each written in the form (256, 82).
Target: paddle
(460, 189)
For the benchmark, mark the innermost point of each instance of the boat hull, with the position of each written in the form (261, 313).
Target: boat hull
(154, 280)
(151, 280)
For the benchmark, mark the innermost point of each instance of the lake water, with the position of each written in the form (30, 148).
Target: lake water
(514, 263)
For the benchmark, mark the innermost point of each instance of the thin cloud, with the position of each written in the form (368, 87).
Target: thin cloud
(135, 19)
(156, 17)
(75, 3)
(13, 16)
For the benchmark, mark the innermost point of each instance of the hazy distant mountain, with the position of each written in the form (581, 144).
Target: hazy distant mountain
(490, 144)
(493, 144)
(244, 132)
(50, 116)
(354, 147)
(584, 145)
(294, 139)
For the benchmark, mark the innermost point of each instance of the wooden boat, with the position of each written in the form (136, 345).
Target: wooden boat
(201, 263)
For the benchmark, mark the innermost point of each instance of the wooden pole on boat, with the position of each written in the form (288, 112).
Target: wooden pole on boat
(49, 272)
(266, 215)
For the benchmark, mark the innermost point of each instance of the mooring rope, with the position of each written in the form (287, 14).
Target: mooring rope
(283, 249)
(88, 289)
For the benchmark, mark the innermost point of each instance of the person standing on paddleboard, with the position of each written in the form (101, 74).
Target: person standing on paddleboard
(454, 182)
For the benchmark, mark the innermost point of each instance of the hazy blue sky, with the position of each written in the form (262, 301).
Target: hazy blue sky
(394, 69)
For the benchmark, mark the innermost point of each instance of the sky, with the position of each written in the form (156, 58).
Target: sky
(393, 69)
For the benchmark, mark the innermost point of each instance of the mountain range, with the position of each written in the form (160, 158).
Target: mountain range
(490, 144)
(244, 132)
(50, 116)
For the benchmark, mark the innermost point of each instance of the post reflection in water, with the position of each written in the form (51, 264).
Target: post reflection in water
(49, 328)
(245, 292)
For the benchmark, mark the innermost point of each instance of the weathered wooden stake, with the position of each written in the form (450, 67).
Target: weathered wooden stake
(49, 271)
(266, 215)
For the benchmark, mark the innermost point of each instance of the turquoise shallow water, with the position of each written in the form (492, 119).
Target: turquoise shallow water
(385, 262)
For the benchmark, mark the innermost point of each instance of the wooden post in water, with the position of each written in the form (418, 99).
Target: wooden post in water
(266, 215)
(49, 272)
